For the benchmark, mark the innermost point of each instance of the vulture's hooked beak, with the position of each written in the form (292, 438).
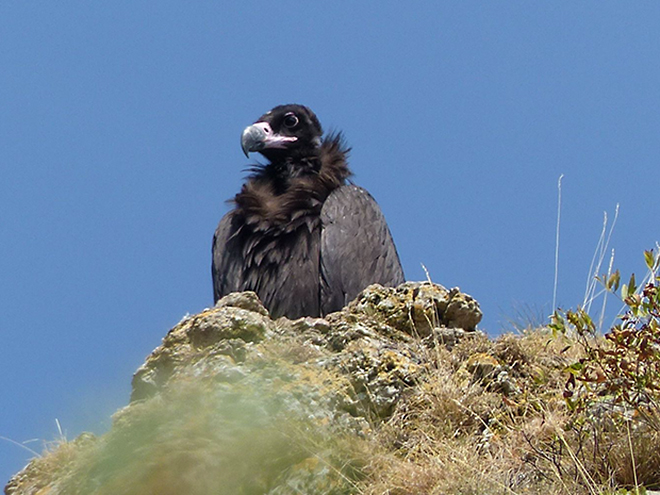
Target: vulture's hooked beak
(260, 136)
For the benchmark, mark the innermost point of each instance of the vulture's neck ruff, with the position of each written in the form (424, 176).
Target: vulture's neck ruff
(293, 185)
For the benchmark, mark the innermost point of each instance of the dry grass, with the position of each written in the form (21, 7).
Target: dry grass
(458, 436)
(460, 430)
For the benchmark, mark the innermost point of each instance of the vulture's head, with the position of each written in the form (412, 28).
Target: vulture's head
(285, 131)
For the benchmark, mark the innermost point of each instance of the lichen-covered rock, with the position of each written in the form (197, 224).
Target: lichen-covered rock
(417, 308)
(378, 374)
(449, 337)
(215, 339)
(485, 369)
(235, 402)
(245, 300)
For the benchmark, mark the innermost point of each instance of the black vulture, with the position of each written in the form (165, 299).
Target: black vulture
(301, 237)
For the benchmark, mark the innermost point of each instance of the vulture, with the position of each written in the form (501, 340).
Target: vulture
(300, 235)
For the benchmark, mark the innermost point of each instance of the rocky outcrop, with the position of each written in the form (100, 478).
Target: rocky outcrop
(235, 402)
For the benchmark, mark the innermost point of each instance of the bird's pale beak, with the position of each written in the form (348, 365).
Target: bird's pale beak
(260, 136)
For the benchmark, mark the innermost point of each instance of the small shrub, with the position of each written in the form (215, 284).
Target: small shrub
(613, 389)
(623, 366)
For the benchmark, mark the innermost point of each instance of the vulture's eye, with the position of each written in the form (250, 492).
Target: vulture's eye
(290, 120)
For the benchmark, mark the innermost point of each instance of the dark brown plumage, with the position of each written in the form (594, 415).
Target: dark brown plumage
(299, 236)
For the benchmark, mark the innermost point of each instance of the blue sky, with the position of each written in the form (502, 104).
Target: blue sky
(119, 145)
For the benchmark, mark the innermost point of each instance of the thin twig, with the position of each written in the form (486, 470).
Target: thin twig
(37, 454)
(554, 291)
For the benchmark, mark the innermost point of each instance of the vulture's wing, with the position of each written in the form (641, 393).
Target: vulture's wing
(226, 265)
(356, 248)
